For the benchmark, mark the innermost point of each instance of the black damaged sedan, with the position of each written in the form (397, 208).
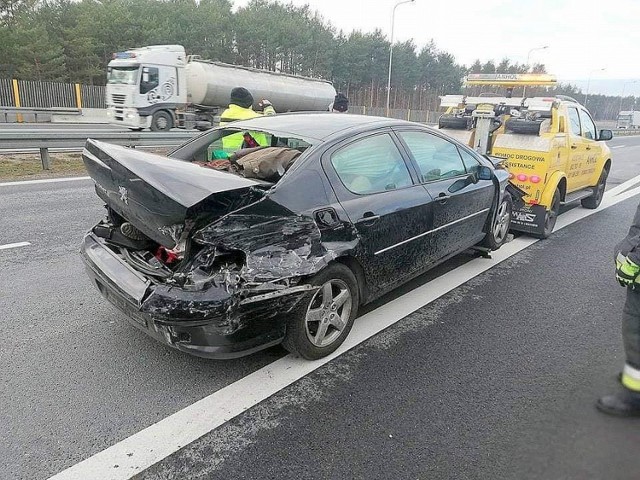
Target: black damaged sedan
(276, 229)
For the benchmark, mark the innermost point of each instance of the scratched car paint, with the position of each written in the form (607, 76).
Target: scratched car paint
(219, 265)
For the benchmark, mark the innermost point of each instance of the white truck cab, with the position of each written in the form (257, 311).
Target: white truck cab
(145, 86)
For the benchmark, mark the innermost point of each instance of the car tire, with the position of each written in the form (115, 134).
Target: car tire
(320, 324)
(594, 200)
(453, 122)
(498, 230)
(161, 122)
(527, 127)
(551, 216)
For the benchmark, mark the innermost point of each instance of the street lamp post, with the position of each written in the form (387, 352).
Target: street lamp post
(624, 86)
(393, 21)
(586, 95)
(524, 89)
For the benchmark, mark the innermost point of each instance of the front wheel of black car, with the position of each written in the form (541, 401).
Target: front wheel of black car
(322, 321)
(498, 231)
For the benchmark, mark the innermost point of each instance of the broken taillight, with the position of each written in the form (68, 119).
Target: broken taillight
(166, 256)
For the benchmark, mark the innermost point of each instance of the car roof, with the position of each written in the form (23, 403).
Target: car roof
(317, 126)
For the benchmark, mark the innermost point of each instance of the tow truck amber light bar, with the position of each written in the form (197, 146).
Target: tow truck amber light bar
(511, 79)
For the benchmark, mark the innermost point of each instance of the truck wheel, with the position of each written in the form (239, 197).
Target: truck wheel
(594, 200)
(527, 127)
(161, 122)
(551, 216)
(499, 229)
(453, 122)
(324, 317)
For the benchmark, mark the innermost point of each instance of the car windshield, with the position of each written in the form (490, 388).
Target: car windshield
(123, 75)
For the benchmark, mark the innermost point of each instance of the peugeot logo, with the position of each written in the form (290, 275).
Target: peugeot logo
(124, 194)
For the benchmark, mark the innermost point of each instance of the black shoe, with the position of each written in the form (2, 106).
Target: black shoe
(624, 404)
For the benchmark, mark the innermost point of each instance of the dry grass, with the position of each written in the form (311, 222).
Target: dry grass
(29, 166)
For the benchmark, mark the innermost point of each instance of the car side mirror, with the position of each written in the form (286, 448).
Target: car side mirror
(485, 173)
(462, 183)
(605, 135)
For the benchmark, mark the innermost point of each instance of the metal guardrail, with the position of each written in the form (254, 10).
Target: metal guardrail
(622, 132)
(64, 139)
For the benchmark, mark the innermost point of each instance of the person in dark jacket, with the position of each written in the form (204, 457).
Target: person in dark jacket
(340, 104)
(626, 403)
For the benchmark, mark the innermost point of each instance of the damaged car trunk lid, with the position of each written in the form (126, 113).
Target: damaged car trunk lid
(160, 195)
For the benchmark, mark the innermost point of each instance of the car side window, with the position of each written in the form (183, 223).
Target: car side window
(436, 157)
(588, 127)
(371, 165)
(574, 121)
(470, 162)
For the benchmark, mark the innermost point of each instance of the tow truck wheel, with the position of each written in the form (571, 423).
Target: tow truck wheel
(161, 122)
(551, 216)
(499, 229)
(324, 317)
(594, 200)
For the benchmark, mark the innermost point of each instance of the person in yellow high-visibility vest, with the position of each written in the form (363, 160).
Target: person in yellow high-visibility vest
(241, 108)
(626, 403)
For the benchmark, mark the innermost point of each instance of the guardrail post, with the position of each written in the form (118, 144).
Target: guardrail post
(46, 160)
(16, 97)
(78, 97)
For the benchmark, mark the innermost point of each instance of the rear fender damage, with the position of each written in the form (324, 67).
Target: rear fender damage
(251, 267)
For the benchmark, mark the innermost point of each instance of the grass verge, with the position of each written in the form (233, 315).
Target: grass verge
(29, 166)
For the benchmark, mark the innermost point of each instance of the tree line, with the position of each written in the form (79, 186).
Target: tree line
(66, 40)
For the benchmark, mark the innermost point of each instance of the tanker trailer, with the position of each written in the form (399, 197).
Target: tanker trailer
(160, 87)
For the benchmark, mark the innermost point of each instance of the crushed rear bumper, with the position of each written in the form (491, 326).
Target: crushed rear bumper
(212, 323)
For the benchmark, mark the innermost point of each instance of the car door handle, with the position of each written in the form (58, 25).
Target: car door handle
(368, 219)
(443, 197)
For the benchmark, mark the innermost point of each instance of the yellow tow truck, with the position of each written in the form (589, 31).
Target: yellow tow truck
(550, 145)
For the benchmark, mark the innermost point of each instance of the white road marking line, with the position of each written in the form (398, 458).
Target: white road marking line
(156, 442)
(14, 245)
(619, 146)
(624, 186)
(44, 180)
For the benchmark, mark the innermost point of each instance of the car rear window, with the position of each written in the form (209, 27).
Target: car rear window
(373, 164)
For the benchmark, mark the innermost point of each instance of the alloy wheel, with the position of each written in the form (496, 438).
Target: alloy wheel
(503, 221)
(328, 313)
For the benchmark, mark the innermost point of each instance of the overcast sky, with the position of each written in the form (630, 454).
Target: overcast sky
(583, 36)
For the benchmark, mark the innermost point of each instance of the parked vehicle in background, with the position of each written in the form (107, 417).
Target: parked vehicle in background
(552, 148)
(160, 87)
(284, 243)
(628, 119)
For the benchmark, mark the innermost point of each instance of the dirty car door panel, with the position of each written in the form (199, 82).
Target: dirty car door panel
(462, 202)
(391, 214)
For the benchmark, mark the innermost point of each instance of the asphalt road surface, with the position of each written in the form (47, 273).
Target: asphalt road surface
(496, 379)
